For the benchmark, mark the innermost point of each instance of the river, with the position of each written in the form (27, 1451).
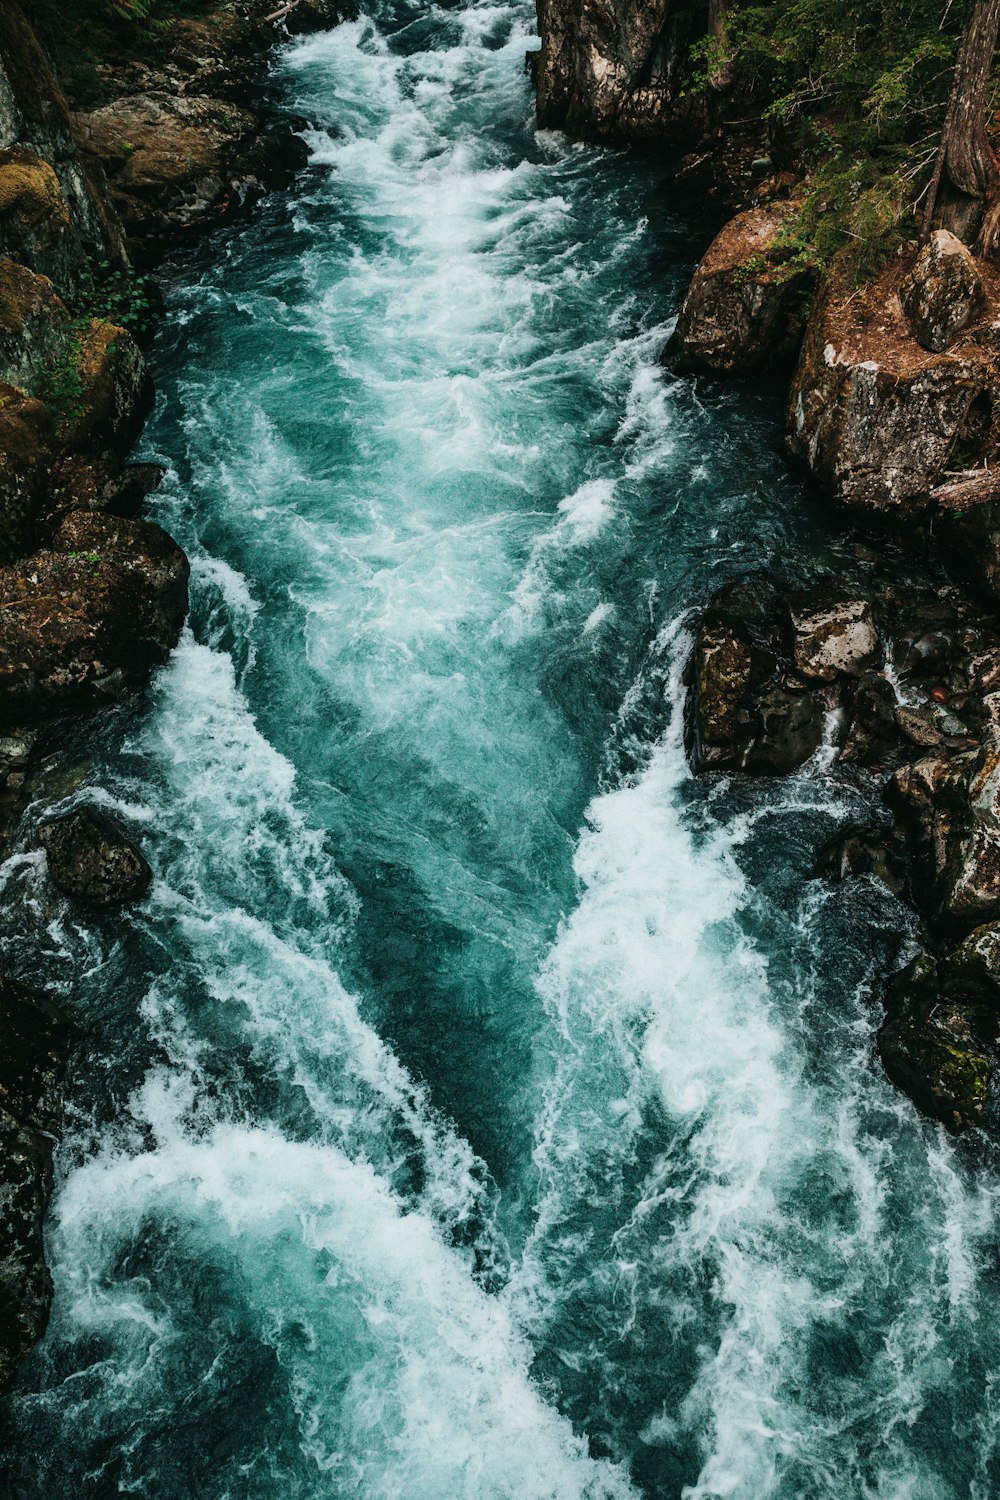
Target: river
(480, 1107)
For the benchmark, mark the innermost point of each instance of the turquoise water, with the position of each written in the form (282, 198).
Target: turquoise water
(479, 1107)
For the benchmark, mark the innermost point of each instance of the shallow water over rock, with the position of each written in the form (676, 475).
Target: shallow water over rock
(477, 1106)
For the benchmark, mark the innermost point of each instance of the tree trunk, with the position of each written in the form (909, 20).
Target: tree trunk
(718, 13)
(965, 159)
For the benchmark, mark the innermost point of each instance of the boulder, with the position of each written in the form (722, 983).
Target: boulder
(859, 853)
(873, 735)
(87, 619)
(34, 1039)
(874, 417)
(35, 223)
(943, 293)
(835, 639)
(91, 860)
(951, 804)
(745, 306)
(941, 1037)
(27, 448)
(34, 325)
(102, 392)
(81, 481)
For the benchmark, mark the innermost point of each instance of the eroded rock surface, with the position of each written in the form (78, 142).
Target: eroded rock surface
(943, 293)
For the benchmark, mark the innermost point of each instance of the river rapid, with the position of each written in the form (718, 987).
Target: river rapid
(479, 1108)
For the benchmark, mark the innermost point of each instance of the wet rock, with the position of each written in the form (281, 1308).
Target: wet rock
(316, 15)
(952, 806)
(82, 481)
(941, 1037)
(833, 639)
(871, 414)
(33, 1045)
(87, 619)
(91, 860)
(27, 447)
(943, 293)
(861, 853)
(787, 731)
(745, 305)
(874, 732)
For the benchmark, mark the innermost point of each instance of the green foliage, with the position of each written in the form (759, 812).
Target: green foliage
(118, 296)
(856, 91)
(61, 386)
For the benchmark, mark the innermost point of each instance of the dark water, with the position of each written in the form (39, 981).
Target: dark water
(479, 1108)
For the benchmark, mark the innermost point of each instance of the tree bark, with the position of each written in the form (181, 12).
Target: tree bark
(718, 14)
(965, 159)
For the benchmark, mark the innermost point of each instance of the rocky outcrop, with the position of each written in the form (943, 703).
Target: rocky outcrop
(612, 71)
(91, 860)
(86, 619)
(27, 452)
(875, 417)
(943, 293)
(33, 1045)
(746, 303)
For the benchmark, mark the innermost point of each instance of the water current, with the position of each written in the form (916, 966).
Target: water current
(480, 1108)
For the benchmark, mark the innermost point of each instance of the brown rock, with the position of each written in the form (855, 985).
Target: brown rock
(109, 392)
(943, 293)
(952, 804)
(86, 620)
(872, 415)
(745, 305)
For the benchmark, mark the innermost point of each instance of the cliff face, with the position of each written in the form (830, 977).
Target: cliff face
(611, 70)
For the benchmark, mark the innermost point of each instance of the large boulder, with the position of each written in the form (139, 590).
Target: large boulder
(27, 448)
(943, 293)
(87, 619)
(833, 638)
(871, 414)
(33, 1045)
(91, 860)
(745, 306)
(35, 222)
(940, 1041)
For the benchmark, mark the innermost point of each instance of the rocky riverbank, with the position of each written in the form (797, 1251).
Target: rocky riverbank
(159, 136)
(892, 673)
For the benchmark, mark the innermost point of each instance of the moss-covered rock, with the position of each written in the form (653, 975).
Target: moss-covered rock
(27, 448)
(100, 390)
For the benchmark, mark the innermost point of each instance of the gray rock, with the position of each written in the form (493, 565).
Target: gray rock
(943, 293)
(835, 639)
(91, 860)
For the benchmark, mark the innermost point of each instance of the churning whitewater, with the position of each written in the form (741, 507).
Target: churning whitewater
(479, 1107)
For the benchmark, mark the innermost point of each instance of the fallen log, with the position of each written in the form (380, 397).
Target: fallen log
(971, 488)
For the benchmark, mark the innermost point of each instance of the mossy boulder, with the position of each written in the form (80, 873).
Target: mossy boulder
(100, 391)
(88, 618)
(746, 303)
(35, 222)
(951, 805)
(27, 448)
(34, 1040)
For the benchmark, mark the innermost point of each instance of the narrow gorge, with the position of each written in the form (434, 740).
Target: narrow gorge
(465, 827)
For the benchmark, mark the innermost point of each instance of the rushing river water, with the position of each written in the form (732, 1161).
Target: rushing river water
(479, 1107)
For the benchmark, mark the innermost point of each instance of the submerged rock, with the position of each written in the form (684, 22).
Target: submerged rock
(943, 293)
(940, 1041)
(87, 619)
(91, 860)
(33, 1046)
(745, 306)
